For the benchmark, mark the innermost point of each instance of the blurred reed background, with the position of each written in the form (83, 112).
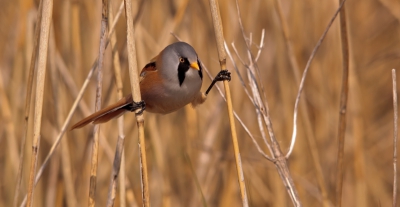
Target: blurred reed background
(190, 151)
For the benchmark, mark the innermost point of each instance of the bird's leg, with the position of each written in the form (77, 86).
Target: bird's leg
(137, 105)
(222, 75)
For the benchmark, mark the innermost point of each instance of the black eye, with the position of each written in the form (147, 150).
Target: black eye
(181, 60)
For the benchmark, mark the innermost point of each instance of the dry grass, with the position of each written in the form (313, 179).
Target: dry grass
(189, 152)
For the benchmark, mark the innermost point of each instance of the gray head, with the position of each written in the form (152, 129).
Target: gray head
(180, 61)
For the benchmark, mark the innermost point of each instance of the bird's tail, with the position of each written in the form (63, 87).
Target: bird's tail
(113, 111)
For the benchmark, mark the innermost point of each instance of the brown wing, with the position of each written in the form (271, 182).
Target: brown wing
(113, 111)
(150, 67)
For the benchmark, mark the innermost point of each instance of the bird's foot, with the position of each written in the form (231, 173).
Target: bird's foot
(223, 75)
(137, 105)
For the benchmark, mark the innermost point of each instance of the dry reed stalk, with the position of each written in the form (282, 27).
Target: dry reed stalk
(64, 127)
(96, 130)
(252, 101)
(121, 136)
(219, 36)
(343, 105)
(307, 125)
(280, 160)
(41, 74)
(263, 116)
(69, 81)
(312, 55)
(395, 132)
(134, 79)
(237, 116)
(255, 100)
(73, 108)
(29, 88)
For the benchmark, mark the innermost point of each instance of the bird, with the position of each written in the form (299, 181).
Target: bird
(170, 81)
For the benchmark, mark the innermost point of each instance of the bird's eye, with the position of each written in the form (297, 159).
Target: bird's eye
(181, 60)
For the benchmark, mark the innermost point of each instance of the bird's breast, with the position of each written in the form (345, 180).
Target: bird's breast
(166, 96)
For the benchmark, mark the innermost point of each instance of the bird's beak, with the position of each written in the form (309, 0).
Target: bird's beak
(194, 65)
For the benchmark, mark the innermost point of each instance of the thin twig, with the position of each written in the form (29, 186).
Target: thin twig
(248, 42)
(303, 78)
(134, 79)
(261, 46)
(303, 108)
(29, 88)
(40, 78)
(252, 100)
(219, 36)
(263, 116)
(263, 109)
(238, 118)
(259, 102)
(343, 105)
(395, 131)
(96, 130)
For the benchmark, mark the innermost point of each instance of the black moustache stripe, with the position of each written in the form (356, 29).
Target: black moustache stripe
(182, 68)
(201, 70)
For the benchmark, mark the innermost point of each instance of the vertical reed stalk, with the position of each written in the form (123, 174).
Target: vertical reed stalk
(95, 147)
(121, 136)
(222, 60)
(29, 88)
(40, 78)
(395, 131)
(134, 79)
(72, 110)
(343, 105)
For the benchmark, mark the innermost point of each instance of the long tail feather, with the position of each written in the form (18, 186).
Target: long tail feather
(113, 111)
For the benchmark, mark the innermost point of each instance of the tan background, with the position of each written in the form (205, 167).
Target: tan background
(191, 145)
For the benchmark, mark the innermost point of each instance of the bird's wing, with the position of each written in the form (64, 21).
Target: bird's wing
(150, 67)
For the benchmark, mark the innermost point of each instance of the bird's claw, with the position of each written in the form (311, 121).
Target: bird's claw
(137, 105)
(223, 75)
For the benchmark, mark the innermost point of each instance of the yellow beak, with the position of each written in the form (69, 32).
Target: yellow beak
(194, 65)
